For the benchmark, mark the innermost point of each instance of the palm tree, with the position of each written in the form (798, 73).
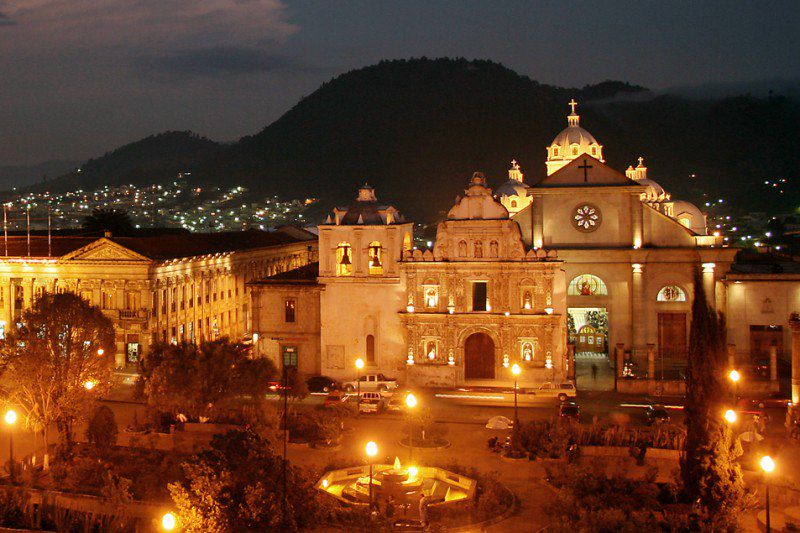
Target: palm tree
(116, 221)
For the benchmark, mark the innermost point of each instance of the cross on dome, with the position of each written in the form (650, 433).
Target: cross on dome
(572, 104)
(641, 161)
(514, 164)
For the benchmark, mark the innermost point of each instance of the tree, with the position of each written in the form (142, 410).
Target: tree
(198, 380)
(237, 485)
(117, 221)
(48, 360)
(102, 430)
(709, 470)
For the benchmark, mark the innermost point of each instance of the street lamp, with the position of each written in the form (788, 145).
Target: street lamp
(767, 465)
(730, 416)
(11, 419)
(411, 403)
(359, 366)
(168, 522)
(372, 451)
(516, 370)
(89, 384)
(734, 376)
(100, 351)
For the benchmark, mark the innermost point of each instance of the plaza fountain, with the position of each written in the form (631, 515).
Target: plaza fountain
(403, 484)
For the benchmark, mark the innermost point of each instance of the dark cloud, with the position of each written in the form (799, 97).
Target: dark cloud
(223, 61)
(5, 20)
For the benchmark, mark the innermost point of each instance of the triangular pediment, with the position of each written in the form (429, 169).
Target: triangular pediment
(103, 250)
(586, 171)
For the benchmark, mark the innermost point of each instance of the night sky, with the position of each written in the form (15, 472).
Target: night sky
(80, 77)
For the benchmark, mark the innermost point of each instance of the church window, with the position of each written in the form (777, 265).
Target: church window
(289, 310)
(344, 262)
(478, 249)
(480, 296)
(493, 249)
(431, 297)
(685, 221)
(526, 351)
(594, 150)
(587, 285)
(375, 256)
(133, 300)
(671, 293)
(574, 150)
(513, 203)
(107, 299)
(555, 151)
(407, 242)
(586, 218)
(370, 352)
(462, 248)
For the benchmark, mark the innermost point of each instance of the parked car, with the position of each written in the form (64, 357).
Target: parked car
(562, 390)
(396, 404)
(277, 386)
(371, 382)
(370, 402)
(321, 384)
(335, 397)
(656, 414)
(775, 399)
(569, 411)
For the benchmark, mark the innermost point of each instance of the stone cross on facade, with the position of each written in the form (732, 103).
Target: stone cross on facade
(585, 167)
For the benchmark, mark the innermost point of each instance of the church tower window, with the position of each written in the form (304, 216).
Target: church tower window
(344, 262)
(375, 256)
(480, 296)
(513, 203)
(594, 150)
(370, 351)
(555, 151)
(574, 150)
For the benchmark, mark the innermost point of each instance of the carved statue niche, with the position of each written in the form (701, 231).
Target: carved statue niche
(494, 249)
(478, 249)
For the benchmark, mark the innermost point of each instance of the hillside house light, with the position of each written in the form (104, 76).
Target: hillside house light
(100, 351)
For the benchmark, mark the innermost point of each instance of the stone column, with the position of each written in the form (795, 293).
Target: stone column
(709, 284)
(8, 304)
(538, 222)
(637, 232)
(571, 361)
(638, 317)
(619, 357)
(731, 350)
(794, 323)
(773, 363)
(651, 361)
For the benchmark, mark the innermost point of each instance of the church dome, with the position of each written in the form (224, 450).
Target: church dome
(477, 203)
(571, 143)
(690, 216)
(653, 191)
(365, 210)
(511, 188)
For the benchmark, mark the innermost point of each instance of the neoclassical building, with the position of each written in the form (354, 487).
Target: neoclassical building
(588, 263)
(169, 287)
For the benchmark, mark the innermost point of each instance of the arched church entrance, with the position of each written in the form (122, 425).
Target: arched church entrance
(479, 357)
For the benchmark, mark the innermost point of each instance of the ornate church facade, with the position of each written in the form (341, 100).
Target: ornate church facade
(588, 262)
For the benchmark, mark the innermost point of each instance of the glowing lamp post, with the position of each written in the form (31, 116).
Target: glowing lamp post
(730, 416)
(411, 403)
(767, 465)
(11, 419)
(372, 451)
(516, 370)
(89, 384)
(359, 366)
(100, 352)
(734, 376)
(168, 522)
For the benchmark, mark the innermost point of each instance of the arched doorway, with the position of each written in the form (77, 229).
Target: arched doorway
(479, 357)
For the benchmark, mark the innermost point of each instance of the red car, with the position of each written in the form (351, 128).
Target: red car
(776, 400)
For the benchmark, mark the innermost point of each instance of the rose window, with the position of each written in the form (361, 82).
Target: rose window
(586, 218)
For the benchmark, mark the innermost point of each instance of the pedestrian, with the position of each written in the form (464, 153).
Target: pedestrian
(594, 371)
(390, 507)
(423, 509)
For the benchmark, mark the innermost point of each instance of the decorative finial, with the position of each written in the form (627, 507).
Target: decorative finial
(572, 104)
(514, 164)
(641, 161)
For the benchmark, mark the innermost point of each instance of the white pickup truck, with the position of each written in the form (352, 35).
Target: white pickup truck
(371, 382)
(562, 390)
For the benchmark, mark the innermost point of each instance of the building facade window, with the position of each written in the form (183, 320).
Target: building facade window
(289, 310)
(671, 293)
(370, 349)
(375, 259)
(587, 285)
(344, 259)
(480, 296)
